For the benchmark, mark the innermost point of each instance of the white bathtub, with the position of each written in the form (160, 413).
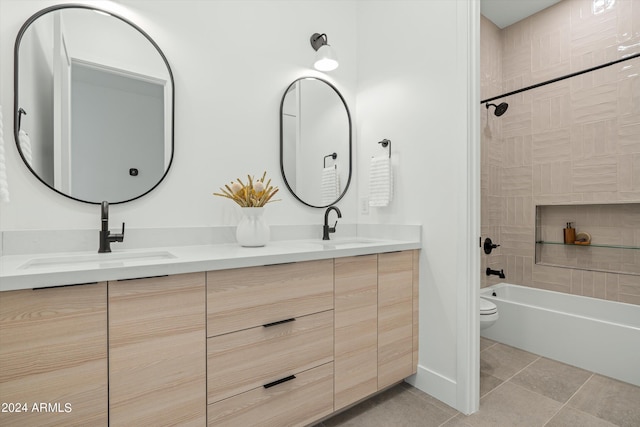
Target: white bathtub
(593, 334)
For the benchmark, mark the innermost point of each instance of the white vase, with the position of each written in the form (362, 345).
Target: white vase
(252, 230)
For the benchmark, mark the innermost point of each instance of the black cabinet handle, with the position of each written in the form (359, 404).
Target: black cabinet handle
(280, 381)
(266, 325)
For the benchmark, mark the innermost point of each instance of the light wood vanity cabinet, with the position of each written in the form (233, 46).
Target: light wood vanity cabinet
(395, 317)
(278, 345)
(250, 358)
(253, 296)
(157, 354)
(53, 352)
(299, 402)
(376, 312)
(270, 345)
(356, 329)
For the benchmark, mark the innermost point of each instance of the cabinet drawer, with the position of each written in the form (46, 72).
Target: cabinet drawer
(298, 402)
(241, 361)
(247, 297)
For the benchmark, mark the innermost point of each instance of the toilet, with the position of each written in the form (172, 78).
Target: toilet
(488, 313)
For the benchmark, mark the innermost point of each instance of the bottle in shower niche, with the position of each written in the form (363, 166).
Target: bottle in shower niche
(569, 235)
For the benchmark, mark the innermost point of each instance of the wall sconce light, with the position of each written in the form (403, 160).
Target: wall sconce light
(326, 59)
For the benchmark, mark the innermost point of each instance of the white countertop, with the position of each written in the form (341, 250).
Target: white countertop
(26, 271)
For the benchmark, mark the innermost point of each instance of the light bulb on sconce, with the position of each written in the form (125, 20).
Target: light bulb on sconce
(326, 59)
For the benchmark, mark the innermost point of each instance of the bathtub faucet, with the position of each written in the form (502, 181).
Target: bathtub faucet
(491, 272)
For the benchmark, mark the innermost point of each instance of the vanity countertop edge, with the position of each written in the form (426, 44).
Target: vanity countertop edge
(183, 259)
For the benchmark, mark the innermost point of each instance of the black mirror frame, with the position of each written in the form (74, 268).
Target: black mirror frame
(16, 107)
(346, 108)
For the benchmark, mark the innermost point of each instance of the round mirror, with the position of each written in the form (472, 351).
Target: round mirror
(93, 104)
(315, 142)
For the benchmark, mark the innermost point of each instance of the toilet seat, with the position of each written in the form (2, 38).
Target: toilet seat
(488, 313)
(487, 308)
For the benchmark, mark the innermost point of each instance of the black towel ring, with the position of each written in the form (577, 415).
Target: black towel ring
(20, 113)
(332, 155)
(385, 142)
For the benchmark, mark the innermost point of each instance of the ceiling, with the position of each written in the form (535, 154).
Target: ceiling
(506, 12)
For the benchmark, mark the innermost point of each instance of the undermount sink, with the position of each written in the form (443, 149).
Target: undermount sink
(339, 243)
(121, 258)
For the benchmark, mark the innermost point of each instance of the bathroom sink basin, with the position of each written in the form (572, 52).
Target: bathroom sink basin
(119, 258)
(345, 243)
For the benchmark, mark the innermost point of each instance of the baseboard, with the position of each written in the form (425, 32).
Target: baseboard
(436, 385)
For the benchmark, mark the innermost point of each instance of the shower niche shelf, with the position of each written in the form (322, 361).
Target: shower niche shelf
(589, 245)
(614, 230)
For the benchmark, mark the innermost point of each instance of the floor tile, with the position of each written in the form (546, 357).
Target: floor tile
(572, 417)
(533, 397)
(457, 421)
(488, 383)
(485, 343)
(397, 406)
(503, 361)
(609, 399)
(352, 417)
(430, 399)
(552, 379)
(512, 405)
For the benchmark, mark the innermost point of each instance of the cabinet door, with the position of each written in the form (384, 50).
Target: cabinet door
(395, 317)
(53, 356)
(157, 351)
(356, 329)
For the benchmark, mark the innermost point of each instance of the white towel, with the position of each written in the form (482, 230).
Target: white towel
(380, 181)
(4, 183)
(25, 145)
(330, 185)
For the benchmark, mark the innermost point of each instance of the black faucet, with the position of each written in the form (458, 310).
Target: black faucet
(105, 235)
(325, 228)
(491, 272)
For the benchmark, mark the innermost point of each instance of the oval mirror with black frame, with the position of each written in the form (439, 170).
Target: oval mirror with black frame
(315, 142)
(93, 104)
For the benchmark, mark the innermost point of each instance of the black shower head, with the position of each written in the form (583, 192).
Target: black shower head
(500, 109)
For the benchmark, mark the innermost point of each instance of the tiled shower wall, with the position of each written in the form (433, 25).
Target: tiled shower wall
(574, 141)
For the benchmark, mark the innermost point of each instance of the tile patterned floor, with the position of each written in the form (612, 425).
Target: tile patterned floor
(517, 388)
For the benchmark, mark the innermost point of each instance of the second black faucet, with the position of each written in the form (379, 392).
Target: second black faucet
(325, 228)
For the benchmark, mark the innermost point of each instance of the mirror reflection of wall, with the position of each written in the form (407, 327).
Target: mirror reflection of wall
(291, 134)
(36, 95)
(315, 123)
(136, 142)
(99, 100)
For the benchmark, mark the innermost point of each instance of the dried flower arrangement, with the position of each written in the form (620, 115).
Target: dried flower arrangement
(254, 194)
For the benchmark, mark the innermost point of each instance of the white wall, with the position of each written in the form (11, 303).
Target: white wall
(106, 47)
(406, 63)
(232, 61)
(413, 89)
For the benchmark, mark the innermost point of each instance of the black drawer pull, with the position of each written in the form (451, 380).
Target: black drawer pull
(143, 278)
(266, 325)
(280, 381)
(64, 286)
